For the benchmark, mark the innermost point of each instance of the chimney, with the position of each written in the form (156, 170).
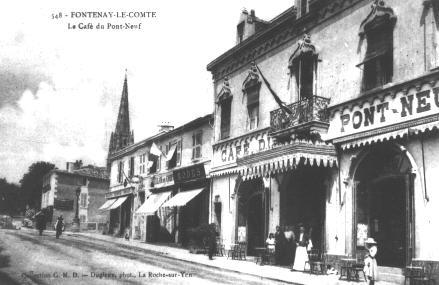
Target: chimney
(165, 127)
(70, 166)
(246, 26)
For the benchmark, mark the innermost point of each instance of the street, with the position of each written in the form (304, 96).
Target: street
(26, 258)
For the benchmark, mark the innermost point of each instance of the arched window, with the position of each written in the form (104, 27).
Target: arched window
(377, 29)
(224, 102)
(303, 66)
(250, 88)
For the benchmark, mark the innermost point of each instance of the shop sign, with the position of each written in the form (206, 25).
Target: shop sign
(162, 180)
(118, 193)
(244, 146)
(361, 234)
(189, 173)
(387, 111)
(242, 234)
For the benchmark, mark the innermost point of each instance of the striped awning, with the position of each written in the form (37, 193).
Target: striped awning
(278, 165)
(106, 206)
(390, 135)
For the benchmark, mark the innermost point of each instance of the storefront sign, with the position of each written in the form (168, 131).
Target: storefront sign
(387, 111)
(228, 152)
(161, 180)
(242, 234)
(361, 234)
(189, 173)
(118, 193)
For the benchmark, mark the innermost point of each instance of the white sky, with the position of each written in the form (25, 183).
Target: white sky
(60, 88)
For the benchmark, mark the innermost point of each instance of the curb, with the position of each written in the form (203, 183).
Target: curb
(190, 261)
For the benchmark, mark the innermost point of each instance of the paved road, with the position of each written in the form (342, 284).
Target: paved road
(26, 258)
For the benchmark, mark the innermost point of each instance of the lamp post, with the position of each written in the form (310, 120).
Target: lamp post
(76, 225)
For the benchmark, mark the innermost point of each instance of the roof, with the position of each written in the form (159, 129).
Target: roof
(89, 171)
(162, 135)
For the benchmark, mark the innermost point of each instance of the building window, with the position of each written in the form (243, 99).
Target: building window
(197, 141)
(377, 29)
(83, 200)
(120, 172)
(240, 32)
(303, 66)
(131, 166)
(303, 7)
(173, 154)
(83, 218)
(226, 106)
(378, 62)
(253, 106)
(152, 163)
(142, 163)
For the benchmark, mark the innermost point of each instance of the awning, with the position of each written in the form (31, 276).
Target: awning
(107, 205)
(171, 153)
(153, 202)
(118, 202)
(390, 135)
(182, 198)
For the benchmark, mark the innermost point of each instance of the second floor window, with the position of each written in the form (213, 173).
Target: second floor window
(83, 200)
(253, 106)
(226, 106)
(197, 141)
(303, 66)
(377, 31)
(142, 163)
(131, 165)
(120, 172)
(378, 62)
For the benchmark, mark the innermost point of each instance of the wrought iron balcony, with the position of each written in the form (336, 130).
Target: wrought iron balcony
(308, 114)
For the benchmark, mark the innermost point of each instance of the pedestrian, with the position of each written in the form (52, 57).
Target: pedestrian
(290, 246)
(301, 257)
(40, 222)
(370, 263)
(279, 253)
(59, 226)
(211, 240)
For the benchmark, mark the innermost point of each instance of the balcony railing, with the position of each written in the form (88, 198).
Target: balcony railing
(303, 112)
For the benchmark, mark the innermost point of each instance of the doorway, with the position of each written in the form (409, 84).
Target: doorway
(384, 204)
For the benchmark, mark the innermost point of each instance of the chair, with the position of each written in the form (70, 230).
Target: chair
(346, 269)
(242, 250)
(315, 262)
(411, 272)
(233, 252)
(426, 276)
(357, 267)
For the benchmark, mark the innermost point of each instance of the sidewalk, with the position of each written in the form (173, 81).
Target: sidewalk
(239, 266)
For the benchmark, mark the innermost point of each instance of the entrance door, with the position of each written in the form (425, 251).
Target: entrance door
(388, 219)
(255, 223)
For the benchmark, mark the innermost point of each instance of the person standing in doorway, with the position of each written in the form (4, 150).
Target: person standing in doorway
(280, 242)
(301, 249)
(370, 263)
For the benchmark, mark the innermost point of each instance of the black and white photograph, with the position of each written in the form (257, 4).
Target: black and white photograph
(219, 142)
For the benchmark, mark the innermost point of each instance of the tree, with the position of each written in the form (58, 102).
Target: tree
(32, 183)
(11, 202)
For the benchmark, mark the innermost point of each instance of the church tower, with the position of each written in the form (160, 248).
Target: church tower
(122, 136)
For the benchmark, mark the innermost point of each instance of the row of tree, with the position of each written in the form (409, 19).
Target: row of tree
(15, 197)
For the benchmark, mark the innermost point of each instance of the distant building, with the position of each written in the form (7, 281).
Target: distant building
(59, 195)
(149, 179)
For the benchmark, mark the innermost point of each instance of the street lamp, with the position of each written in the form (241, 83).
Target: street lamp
(76, 225)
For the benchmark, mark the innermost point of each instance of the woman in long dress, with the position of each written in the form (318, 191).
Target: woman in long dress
(301, 252)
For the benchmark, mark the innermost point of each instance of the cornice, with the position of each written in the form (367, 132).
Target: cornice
(281, 31)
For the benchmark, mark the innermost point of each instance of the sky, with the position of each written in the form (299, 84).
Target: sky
(60, 88)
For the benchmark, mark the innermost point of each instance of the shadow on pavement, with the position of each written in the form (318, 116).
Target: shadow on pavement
(4, 262)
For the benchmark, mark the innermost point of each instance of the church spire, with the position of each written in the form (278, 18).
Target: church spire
(122, 135)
